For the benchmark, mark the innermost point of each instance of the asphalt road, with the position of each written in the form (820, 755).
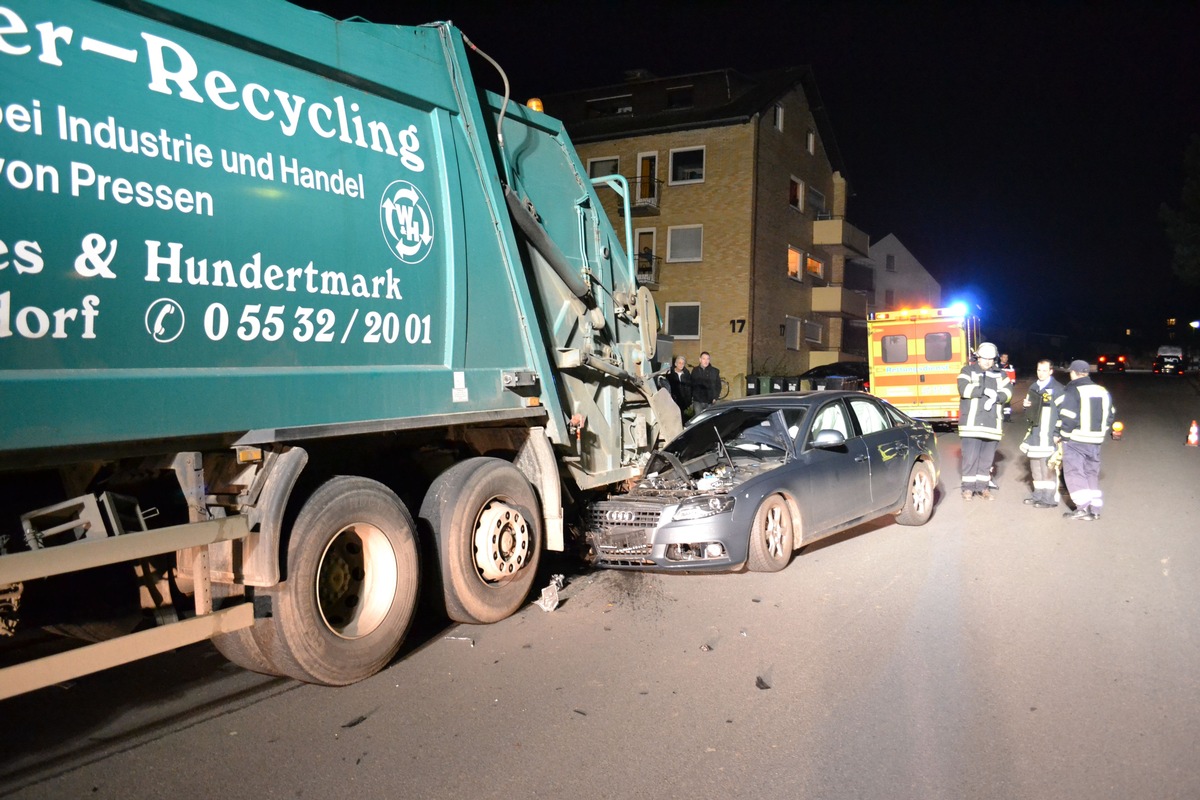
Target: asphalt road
(1000, 651)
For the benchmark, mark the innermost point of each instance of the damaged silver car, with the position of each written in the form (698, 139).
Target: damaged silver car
(749, 482)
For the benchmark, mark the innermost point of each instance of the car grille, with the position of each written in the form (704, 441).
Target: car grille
(608, 515)
(619, 531)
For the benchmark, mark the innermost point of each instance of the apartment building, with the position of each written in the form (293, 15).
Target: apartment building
(739, 213)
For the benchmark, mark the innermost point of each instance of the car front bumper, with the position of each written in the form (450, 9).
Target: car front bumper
(631, 534)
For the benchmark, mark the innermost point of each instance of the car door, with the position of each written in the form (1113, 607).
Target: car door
(834, 482)
(887, 446)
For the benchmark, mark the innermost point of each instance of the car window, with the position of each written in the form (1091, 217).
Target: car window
(896, 415)
(745, 429)
(831, 417)
(868, 415)
(793, 417)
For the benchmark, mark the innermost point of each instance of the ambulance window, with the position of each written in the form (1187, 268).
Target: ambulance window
(937, 347)
(895, 349)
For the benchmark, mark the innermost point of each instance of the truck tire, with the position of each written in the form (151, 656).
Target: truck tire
(487, 523)
(351, 587)
(241, 648)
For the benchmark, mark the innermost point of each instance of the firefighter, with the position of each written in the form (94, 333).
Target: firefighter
(1011, 372)
(1042, 415)
(983, 390)
(1085, 414)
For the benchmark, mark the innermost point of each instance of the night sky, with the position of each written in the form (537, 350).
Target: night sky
(1021, 151)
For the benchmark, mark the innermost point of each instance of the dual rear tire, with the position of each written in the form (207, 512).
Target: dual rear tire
(352, 583)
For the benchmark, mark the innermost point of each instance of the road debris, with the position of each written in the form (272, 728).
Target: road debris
(760, 683)
(704, 648)
(549, 599)
(461, 639)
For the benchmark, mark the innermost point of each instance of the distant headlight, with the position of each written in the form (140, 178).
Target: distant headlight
(701, 507)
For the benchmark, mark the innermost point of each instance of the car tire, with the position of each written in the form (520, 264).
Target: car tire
(772, 536)
(918, 497)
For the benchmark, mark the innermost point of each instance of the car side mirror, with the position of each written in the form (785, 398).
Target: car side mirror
(828, 438)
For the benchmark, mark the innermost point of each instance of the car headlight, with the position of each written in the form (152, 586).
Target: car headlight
(701, 507)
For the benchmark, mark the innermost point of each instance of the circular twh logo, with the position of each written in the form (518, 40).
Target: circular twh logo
(406, 221)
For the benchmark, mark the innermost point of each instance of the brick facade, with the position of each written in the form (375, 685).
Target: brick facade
(741, 281)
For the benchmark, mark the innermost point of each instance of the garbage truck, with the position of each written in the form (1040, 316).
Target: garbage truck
(295, 319)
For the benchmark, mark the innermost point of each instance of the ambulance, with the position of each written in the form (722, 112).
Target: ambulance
(915, 355)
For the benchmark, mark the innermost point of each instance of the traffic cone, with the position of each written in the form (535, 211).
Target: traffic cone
(1193, 439)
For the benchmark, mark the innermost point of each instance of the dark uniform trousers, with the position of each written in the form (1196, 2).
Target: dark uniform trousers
(1081, 471)
(977, 458)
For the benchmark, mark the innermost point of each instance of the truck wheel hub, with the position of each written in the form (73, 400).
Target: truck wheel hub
(501, 541)
(356, 581)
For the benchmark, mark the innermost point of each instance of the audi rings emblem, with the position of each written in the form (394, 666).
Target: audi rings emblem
(620, 516)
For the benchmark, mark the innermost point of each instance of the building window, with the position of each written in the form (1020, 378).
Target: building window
(616, 105)
(687, 166)
(814, 331)
(679, 97)
(793, 333)
(796, 193)
(816, 201)
(685, 243)
(889, 298)
(890, 263)
(683, 320)
(777, 116)
(815, 267)
(810, 142)
(647, 178)
(603, 166)
(647, 259)
(795, 258)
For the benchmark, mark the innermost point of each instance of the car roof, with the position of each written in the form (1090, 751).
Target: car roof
(852, 367)
(788, 399)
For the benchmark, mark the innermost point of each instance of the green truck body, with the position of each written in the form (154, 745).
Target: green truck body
(231, 244)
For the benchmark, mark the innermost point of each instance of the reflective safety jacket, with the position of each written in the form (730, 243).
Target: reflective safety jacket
(1042, 416)
(981, 407)
(1085, 412)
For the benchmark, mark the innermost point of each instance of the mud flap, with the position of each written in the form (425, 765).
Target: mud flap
(670, 418)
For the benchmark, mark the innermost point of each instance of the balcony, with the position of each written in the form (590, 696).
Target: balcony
(647, 268)
(645, 196)
(841, 238)
(838, 301)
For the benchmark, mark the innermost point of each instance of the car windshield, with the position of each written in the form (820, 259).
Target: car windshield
(763, 431)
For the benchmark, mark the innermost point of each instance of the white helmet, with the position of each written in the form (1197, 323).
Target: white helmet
(986, 350)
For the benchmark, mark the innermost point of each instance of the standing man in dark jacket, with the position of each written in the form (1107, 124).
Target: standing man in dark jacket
(983, 390)
(1085, 414)
(680, 381)
(706, 384)
(1042, 415)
